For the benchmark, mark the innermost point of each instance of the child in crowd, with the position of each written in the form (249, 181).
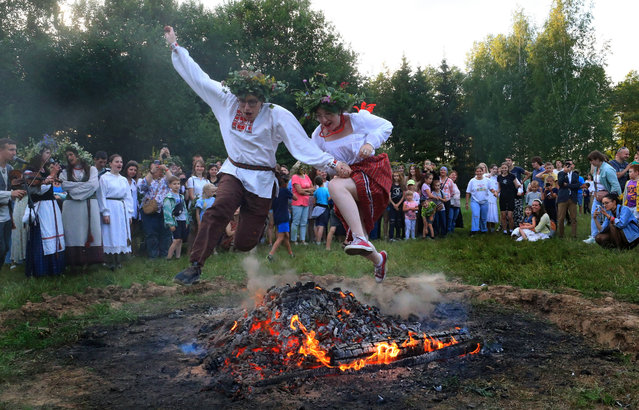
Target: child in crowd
(586, 193)
(440, 210)
(428, 207)
(205, 202)
(175, 217)
(550, 197)
(533, 192)
(410, 208)
(529, 223)
(630, 191)
(281, 217)
(410, 185)
(396, 216)
(321, 211)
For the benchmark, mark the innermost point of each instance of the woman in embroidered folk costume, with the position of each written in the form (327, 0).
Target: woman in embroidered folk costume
(361, 197)
(81, 211)
(117, 213)
(251, 129)
(45, 245)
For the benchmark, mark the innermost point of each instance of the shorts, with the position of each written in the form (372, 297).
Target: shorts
(322, 220)
(506, 204)
(335, 222)
(181, 231)
(580, 200)
(283, 227)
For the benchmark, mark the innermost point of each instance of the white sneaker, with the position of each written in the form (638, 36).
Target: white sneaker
(590, 240)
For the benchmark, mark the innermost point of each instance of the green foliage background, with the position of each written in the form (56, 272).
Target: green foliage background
(105, 79)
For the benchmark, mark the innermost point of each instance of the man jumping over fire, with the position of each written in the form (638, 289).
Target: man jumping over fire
(251, 129)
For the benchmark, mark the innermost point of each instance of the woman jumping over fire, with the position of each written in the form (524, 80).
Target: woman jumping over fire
(353, 138)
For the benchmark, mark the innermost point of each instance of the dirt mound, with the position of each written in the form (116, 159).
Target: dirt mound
(115, 296)
(607, 321)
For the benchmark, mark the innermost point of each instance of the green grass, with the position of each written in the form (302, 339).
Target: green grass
(493, 259)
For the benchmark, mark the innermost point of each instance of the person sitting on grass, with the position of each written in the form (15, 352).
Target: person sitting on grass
(620, 228)
(281, 218)
(175, 217)
(542, 229)
(529, 222)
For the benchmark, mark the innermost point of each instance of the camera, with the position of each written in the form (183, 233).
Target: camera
(548, 184)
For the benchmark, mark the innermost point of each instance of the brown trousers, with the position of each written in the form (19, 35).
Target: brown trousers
(614, 237)
(571, 207)
(231, 194)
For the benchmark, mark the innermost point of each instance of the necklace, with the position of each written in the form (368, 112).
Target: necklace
(339, 129)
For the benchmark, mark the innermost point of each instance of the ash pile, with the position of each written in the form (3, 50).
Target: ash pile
(307, 330)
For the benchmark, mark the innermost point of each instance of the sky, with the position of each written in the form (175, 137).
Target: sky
(427, 31)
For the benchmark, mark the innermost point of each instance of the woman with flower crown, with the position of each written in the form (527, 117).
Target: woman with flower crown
(361, 197)
(251, 129)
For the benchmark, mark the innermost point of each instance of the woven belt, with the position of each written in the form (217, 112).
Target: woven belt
(253, 167)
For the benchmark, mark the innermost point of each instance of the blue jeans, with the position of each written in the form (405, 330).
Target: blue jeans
(453, 213)
(156, 236)
(440, 225)
(593, 228)
(479, 216)
(299, 222)
(410, 228)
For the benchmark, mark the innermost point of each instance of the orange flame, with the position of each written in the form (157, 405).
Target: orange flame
(234, 326)
(385, 352)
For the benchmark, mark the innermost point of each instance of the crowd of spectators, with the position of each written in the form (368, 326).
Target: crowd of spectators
(79, 214)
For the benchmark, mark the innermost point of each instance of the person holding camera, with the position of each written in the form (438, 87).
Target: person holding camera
(154, 188)
(605, 182)
(567, 197)
(252, 129)
(620, 228)
(550, 197)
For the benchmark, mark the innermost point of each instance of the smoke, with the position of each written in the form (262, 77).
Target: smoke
(416, 295)
(260, 279)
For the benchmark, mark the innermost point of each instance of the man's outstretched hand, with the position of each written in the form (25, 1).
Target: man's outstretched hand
(169, 35)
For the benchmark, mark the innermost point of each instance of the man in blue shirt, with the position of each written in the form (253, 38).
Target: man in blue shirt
(518, 172)
(538, 168)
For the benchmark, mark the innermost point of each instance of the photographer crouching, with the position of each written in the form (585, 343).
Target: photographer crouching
(620, 228)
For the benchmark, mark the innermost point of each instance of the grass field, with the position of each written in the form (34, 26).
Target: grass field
(491, 258)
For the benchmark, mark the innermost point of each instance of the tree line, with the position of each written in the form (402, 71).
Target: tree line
(103, 76)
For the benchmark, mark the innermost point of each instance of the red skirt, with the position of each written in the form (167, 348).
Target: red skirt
(373, 178)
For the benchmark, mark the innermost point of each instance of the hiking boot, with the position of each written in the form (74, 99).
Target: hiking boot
(359, 246)
(380, 271)
(189, 275)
